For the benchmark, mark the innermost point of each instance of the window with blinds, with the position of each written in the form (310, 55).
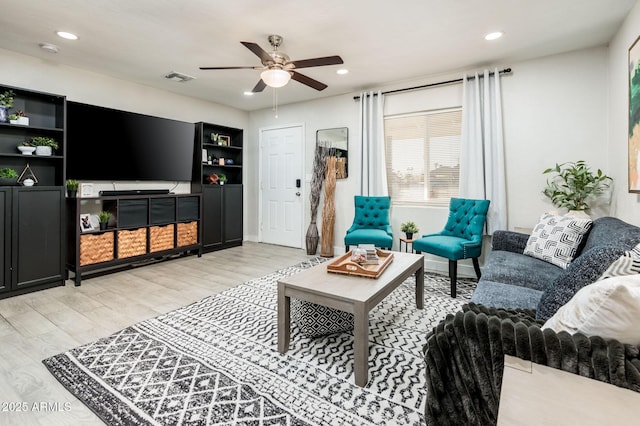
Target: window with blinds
(423, 156)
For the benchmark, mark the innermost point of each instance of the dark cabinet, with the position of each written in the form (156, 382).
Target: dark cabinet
(222, 216)
(142, 228)
(33, 239)
(232, 214)
(212, 217)
(218, 154)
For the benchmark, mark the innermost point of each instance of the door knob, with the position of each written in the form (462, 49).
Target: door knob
(298, 193)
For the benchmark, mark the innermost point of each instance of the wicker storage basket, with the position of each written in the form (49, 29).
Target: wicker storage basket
(187, 233)
(96, 248)
(161, 238)
(132, 243)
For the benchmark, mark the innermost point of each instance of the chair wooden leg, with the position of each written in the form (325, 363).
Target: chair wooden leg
(346, 249)
(453, 275)
(476, 267)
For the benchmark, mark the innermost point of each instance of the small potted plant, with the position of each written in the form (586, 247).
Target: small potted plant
(72, 188)
(8, 177)
(44, 145)
(6, 102)
(409, 228)
(574, 184)
(19, 117)
(26, 148)
(222, 178)
(103, 218)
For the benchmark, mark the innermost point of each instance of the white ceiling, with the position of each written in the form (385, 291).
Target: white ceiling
(380, 41)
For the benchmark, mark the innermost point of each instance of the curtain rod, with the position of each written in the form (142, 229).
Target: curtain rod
(442, 83)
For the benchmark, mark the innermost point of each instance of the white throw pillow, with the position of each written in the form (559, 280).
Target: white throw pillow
(608, 308)
(627, 264)
(555, 239)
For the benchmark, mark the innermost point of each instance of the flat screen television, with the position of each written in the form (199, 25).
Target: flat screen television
(113, 145)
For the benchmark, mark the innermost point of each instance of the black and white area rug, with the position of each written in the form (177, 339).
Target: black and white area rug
(216, 362)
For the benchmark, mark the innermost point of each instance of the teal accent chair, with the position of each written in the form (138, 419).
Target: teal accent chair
(371, 223)
(461, 237)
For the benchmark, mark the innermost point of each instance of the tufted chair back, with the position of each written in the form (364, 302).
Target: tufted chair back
(466, 218)
(371, 212)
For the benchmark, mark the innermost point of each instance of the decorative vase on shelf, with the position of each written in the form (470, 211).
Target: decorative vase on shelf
(71, 193)
(26, 150)
(103, 226)
(44, 150)
(4, 114)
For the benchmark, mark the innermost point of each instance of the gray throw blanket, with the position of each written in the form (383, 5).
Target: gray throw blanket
(464, 357)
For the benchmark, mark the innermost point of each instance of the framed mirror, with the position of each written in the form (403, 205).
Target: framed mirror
(336, 141)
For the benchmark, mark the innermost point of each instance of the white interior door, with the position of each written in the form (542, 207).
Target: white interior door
(281, 186)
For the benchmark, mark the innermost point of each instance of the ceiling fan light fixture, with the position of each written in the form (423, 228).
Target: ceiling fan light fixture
(275, 78)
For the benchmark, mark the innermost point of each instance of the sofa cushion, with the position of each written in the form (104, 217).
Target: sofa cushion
(627, 264)
(555, 239)
(612, 231)
(609, 308)
(586, 269)
(499, 295)
(514, 268)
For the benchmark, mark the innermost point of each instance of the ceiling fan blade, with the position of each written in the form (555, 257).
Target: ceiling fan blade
(230, 68)
(259, 87)
(258, 51)
(318, 62)
(300, 78)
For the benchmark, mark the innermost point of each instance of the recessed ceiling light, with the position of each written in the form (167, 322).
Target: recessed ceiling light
(51, 48)
(67, 35)
(342, 71)
(247, 93)
(493, 36)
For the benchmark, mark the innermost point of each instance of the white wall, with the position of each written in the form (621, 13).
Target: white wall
(555, 110)
(83, 86)
(627, 206)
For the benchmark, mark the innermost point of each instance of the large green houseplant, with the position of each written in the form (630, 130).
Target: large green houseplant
(574, 184)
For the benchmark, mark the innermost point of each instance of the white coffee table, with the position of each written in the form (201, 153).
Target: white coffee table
(353, 294)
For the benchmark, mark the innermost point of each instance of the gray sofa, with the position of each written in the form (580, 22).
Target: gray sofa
(513, 280)
(464, 353)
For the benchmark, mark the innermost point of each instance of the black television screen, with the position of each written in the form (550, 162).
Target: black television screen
(109, 144)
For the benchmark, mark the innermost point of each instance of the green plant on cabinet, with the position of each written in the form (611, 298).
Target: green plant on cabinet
(103, 216)
(409, 227)
(7, 173)
(574, 184)
(6, 98)
(43, 141)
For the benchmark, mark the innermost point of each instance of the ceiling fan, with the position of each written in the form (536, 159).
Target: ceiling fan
(278, 69)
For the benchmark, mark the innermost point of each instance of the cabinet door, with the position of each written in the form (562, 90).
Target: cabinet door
(232, 201)
(37, 236)
(5, 240)
(211, 216)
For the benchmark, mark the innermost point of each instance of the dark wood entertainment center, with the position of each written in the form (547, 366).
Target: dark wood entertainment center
(42, 236)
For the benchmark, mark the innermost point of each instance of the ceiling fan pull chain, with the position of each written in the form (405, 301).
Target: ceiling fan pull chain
(275, 101)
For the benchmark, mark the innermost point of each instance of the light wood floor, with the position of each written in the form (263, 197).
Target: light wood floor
(38, 325)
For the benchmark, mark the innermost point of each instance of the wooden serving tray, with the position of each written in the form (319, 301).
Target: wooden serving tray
(344, 265)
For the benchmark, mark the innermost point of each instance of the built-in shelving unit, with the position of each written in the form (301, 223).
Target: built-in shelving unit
(222, 224)
(32, 218)
(141, 228)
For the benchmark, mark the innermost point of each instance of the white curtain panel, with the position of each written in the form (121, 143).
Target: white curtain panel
(373, 166)
(482, 168)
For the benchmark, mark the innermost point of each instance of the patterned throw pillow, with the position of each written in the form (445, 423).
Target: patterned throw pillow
(555, 239)
(627, 264)
(316, 320)
(609, 308)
